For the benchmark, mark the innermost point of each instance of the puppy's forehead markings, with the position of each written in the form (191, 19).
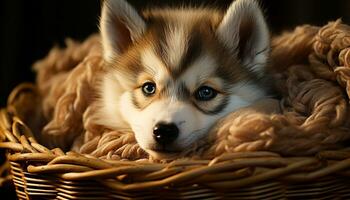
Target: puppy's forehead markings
(179, 44)
(175, 45)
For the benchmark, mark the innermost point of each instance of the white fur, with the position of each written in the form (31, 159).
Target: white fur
(192, 123)
(109, 113)
(228, 32)
(176, 44)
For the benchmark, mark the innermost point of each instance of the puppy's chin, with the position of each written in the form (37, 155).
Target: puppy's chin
(162, 155)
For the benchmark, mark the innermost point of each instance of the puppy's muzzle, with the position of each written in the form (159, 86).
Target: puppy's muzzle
(165, 133)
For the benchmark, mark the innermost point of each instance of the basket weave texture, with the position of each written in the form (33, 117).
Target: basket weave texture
(40, 171)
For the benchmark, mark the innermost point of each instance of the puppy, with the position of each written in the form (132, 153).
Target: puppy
(172, 73)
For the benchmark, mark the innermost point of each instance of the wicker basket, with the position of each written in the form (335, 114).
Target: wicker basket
(39, 172)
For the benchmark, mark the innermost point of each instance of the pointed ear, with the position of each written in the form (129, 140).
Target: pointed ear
(120, 25)
(243, 30)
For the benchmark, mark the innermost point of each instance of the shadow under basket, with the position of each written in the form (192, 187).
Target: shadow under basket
(41, 173)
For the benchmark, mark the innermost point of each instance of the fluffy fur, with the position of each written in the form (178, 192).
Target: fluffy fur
(179, 50)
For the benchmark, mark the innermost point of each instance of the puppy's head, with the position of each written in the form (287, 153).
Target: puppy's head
(173, 73)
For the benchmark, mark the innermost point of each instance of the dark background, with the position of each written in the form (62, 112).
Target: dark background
(30, 28)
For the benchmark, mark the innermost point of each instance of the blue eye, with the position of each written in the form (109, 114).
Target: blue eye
(205, 93)
(148, 88)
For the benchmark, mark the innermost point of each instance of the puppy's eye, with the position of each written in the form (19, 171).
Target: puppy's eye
(205, 93)
(148, 88)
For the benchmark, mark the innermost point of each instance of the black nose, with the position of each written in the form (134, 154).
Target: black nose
(165, 133)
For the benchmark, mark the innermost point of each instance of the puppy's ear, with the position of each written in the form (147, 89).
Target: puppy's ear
(244, 32)
(120, 25)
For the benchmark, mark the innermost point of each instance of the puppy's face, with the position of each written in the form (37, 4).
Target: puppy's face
(176, 75)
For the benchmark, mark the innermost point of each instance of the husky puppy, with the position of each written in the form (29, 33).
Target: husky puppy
(172, 73)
